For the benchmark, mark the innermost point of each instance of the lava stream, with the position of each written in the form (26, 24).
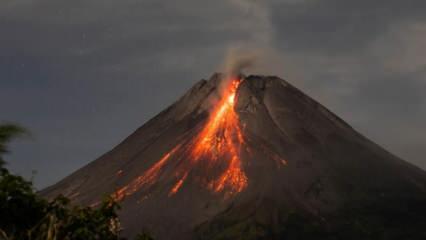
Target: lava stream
(221, 138)
(218, 144)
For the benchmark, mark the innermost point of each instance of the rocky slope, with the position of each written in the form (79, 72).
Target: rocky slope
(253, 158)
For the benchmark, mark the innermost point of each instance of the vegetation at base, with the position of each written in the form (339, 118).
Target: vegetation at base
(7, 133)
(26, 216)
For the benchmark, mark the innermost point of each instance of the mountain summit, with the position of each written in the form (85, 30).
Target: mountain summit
(253, 158)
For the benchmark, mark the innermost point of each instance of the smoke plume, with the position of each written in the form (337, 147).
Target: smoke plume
(239, 59)
(256, 49)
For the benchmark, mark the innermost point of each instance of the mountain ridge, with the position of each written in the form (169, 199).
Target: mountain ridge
(299, 161)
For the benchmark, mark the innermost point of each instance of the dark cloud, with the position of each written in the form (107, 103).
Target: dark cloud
(365, 61)
(335, 27)
(82, 75)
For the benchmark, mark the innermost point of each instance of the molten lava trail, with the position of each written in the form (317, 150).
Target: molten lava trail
(221, 139)
(216, 147)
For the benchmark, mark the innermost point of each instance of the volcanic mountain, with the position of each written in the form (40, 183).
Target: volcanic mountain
(253, 158)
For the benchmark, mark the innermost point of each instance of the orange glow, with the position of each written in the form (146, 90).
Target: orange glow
(178, 185)
(147, 178)
(216, 148)
(221, 138)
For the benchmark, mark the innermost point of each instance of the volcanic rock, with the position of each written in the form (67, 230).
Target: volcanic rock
(253, 158)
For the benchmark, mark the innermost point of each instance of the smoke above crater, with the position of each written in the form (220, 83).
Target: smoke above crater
(239, 59)
(256, 52)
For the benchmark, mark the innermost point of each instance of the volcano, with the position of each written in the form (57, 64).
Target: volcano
(252, 157)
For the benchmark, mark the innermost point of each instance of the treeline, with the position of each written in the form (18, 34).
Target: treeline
(24, 215)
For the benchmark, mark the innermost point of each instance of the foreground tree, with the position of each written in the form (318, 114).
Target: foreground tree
(7, 133)
(26, 216)
(20, 207)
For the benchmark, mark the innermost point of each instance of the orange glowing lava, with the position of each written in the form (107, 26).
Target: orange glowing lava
(221, 138)
(217, 146)
(147, 178)
(178, 185)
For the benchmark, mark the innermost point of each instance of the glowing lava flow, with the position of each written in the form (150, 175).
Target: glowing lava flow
(216, 148)
(147, 178)
(221, 139)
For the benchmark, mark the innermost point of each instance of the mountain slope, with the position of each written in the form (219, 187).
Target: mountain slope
(253, 158)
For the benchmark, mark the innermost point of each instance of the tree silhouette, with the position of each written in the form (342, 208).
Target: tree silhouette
(27, 216)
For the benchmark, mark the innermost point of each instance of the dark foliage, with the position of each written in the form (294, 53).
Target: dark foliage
(7, 133)
(26, 216)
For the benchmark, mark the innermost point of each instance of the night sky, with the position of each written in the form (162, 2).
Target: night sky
(82, 75)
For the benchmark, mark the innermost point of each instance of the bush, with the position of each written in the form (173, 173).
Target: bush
(27, 216)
